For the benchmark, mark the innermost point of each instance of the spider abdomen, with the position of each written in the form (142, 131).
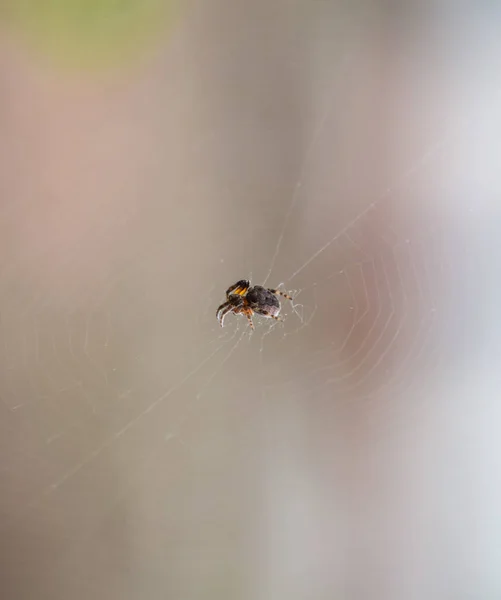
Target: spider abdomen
(263, 301)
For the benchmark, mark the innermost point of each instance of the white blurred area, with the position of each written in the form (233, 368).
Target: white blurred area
(347, 150)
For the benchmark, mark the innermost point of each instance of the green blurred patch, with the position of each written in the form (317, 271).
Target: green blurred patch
(91, 33)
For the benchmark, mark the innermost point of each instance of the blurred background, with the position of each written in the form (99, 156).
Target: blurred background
(154, 153)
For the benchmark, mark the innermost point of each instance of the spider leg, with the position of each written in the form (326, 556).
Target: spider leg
(265, 313)
(222, 311)
(279, 293)
(240, 288)
(248, 314)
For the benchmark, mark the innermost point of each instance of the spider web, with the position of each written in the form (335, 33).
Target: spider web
(127, 410)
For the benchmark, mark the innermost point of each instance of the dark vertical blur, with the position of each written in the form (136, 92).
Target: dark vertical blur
(151, 155)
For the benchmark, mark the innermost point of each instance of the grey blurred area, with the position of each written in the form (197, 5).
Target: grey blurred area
(347, 150)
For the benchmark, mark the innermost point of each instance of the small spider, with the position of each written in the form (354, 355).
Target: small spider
(246, 300)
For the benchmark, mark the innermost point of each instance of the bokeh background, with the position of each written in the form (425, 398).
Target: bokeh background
(151, 155)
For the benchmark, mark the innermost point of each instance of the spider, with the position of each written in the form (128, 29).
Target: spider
(246, 300)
